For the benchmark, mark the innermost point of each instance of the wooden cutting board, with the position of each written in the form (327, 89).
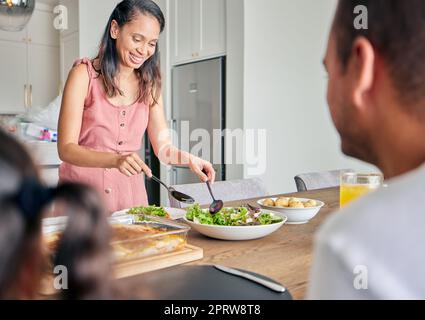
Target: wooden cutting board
(138, 266)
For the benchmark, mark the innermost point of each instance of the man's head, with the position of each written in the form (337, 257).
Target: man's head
(376, 74)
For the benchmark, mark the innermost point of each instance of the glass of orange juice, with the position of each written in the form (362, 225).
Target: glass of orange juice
(354, 185)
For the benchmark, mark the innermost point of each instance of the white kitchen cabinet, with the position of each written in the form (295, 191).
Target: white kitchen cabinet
(213, 28)
(13, 36)
(13, 74)
(40, 29)
(43, 74)
(182, 30)
(29, 63)
(198, 30)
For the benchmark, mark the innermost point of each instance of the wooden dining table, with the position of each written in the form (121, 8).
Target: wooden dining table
(285, 256)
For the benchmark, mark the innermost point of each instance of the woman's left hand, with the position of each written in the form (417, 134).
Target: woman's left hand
(202, 168)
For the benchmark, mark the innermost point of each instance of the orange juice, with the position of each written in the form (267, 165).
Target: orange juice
(354, 185)
(349, 192)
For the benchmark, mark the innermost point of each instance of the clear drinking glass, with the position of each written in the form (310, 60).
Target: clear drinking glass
(354, 185)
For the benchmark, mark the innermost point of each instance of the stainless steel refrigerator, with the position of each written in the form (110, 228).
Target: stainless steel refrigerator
(198, 102)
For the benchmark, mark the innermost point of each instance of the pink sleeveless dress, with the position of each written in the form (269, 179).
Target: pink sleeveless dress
(109, 128)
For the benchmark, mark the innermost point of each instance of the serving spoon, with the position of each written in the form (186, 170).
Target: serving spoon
(216, 205)
(179, 196)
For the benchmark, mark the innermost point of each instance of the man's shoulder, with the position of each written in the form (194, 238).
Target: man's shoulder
(382, 232)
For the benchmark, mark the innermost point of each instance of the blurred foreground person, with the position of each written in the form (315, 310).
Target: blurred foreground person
(83, 249)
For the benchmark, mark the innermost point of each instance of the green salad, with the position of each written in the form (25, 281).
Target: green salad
(238, 216)
(150, 210)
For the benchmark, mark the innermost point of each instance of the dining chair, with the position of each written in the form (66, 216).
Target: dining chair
(230, 190)
(318, 180)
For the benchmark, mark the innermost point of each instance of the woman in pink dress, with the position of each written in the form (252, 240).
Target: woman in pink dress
(108, 104)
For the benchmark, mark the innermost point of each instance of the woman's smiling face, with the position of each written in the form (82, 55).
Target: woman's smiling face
(136, 41)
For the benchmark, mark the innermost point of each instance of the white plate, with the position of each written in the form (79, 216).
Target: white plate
(175, 213)
(238, 232)
(296, 215)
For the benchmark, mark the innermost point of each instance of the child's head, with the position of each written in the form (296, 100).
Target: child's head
(84, 248)
(20, 245)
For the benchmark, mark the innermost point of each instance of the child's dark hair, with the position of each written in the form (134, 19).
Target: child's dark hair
(84, 247)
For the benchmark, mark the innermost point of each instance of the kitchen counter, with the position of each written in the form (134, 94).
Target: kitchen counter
(46, 157)
(44, 153)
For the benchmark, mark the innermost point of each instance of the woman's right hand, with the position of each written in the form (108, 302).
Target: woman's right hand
(131, 164)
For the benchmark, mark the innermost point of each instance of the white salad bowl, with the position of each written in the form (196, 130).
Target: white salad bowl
(238, 232)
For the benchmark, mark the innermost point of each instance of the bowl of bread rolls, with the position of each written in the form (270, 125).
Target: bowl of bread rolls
(298, 210)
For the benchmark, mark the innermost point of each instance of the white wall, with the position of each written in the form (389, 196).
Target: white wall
(234, 77)
(285, 88)
(94, 15)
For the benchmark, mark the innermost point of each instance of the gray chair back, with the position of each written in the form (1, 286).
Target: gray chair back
(318, 180)
(224, 190)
